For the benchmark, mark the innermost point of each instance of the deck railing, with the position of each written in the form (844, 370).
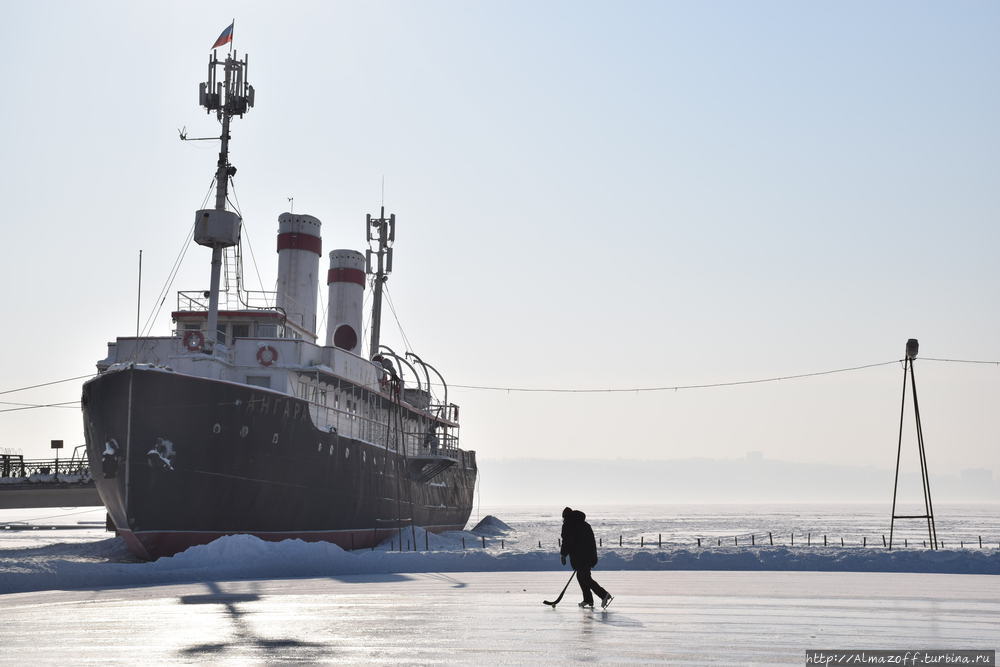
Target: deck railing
(353, 425)
(195, 300)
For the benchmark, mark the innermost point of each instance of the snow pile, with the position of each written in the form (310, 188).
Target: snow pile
(491, 526)
(105, 563)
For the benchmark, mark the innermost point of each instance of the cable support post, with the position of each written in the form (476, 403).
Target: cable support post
(912, 349)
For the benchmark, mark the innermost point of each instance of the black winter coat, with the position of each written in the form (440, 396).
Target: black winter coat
(578, 541)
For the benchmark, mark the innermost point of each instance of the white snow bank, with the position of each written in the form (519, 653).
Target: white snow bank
(99, 564)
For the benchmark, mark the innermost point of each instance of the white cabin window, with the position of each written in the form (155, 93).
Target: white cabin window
(259, 381)
(192, 327)
(241, 331)
(267, 330)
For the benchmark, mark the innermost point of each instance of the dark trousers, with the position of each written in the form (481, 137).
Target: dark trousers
(587, 584)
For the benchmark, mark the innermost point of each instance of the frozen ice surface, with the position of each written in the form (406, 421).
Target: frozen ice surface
(498, 618)
(74, 594)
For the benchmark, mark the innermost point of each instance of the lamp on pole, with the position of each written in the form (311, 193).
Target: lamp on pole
(56, 445)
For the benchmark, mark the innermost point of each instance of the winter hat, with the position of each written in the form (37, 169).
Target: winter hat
(566, 512)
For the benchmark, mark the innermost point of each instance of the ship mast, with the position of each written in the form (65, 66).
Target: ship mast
(218, 228)
(381, 231)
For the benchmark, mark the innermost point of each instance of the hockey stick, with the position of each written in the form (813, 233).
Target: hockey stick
(558, 599)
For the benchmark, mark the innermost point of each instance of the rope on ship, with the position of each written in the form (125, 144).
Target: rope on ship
(161, 298)
(391, 411)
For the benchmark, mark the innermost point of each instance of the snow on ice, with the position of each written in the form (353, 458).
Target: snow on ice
(106, 563)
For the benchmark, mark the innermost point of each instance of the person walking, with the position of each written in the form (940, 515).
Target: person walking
(578, 543)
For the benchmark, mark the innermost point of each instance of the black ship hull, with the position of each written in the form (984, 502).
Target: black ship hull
(181, 460)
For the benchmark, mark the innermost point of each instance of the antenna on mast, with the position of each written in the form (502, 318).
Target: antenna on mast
(138, 299)
(218, 228)
(378, 263)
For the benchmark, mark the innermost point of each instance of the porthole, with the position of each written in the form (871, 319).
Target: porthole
(364, 457)
(347, 453)
(244, 431)
(217, 428)
(319, 446)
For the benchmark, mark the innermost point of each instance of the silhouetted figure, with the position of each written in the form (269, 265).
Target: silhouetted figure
(431, 440)
(578, 543)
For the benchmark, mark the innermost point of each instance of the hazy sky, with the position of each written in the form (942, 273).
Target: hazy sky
(588, 195)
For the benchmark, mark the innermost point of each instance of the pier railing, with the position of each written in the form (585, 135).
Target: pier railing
(15, 466)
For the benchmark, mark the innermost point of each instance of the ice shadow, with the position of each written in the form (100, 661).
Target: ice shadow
(243, 634)
(455, 583)
(373, 578)
(614, 619)
(220, 598)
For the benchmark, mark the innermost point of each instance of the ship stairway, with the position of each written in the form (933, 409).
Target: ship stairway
(423, 469)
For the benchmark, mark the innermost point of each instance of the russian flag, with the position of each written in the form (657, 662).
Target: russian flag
(225, 37)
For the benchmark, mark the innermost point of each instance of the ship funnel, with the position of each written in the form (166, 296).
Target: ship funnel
(346, 282)
(299, 250)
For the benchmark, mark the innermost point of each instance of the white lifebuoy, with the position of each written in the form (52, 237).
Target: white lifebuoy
(194, 340)
(266, 355)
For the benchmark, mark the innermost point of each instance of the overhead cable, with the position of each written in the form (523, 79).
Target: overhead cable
(713, 384)
(46, 384)
(677, 387)
(66, 404)
(38, 405)
(962, 361)
(565, 390)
